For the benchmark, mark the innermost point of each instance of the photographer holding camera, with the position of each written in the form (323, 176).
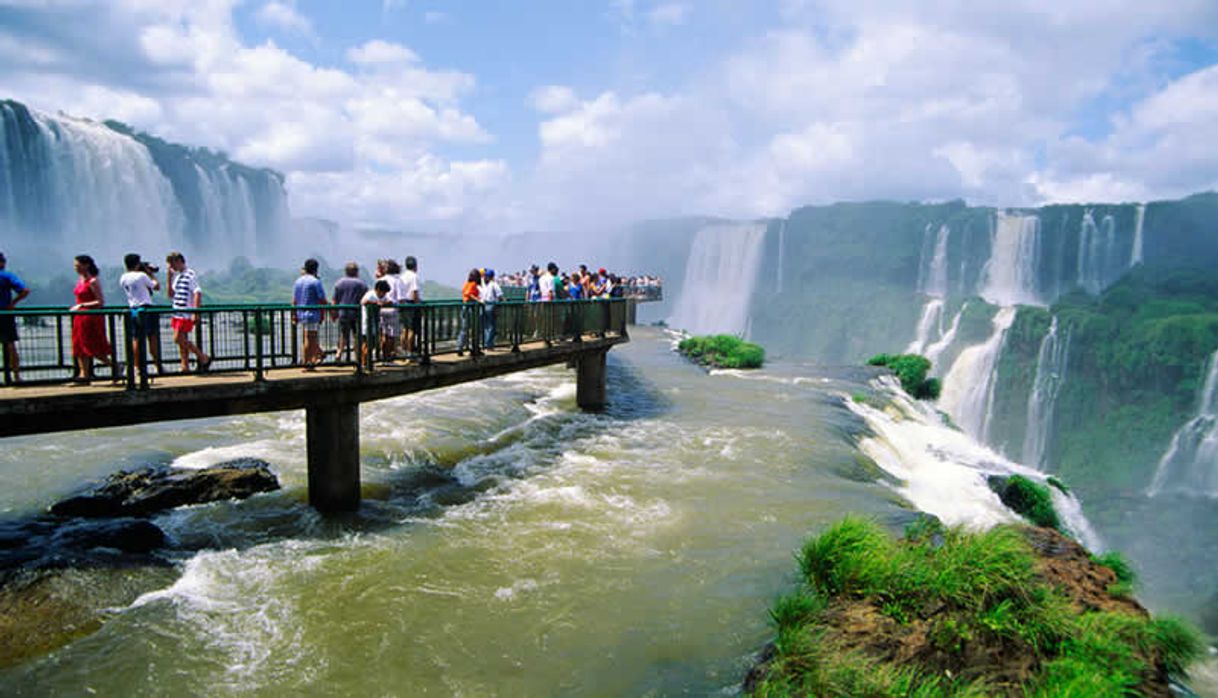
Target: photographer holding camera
(139, 282)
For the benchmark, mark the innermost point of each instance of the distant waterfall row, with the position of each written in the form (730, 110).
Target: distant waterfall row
(80, 186)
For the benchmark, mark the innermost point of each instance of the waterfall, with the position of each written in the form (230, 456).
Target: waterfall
(1135, 256)
(1009, 277)
(968, 388)
(932, 281)
(1098, 261)
(82, 184)
(933, 351)
(782, 239)
(71, 185)
(719, 278)
(1190, 465)
(930, 321)
(1051, 363)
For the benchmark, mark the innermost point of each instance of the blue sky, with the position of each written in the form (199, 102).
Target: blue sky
(467, 115)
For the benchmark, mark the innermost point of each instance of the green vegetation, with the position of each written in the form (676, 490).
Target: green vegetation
(949, 612)
(911, 370)
(1029, 499)
(1127, 578)
(722, 351)
(1057, 484)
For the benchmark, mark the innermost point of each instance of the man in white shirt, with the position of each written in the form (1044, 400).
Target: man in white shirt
(546, 284)
(412, 318)
(139, 282)
(490, 294)
(391, 316)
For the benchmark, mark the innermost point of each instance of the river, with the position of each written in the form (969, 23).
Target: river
(508, 543)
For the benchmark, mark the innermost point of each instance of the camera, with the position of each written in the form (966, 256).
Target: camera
(149, 268)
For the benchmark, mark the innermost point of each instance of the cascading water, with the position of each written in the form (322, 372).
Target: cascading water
(782, 244)
(1135, 255)
(1009, 277)
(1051, 362)
(719, 279)
(77, 182)
(80, 186)
(1190, 465)
(968, 388)
(934, 350)
(1099, 261)
(932, 281)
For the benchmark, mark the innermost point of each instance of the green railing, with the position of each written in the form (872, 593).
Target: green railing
(258, 339)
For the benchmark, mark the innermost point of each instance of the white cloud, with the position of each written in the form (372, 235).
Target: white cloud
(553, 99)
(378, 52)
(435, 17)
(284, 16)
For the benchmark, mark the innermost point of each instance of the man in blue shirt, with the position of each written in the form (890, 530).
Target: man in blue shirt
(307, 292)
(9, 282)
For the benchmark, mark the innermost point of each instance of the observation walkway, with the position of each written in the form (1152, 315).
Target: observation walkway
(256, 366)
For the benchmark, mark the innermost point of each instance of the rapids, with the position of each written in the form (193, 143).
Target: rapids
(507, 543)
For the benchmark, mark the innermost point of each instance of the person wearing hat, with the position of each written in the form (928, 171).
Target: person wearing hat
(308, 293)
(490, 294)
(10, 282)
(139, 282)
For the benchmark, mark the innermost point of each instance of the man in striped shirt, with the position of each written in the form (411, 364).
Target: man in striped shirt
(184, 287)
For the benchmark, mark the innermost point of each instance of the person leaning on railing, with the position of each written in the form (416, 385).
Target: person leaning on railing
(10, 282)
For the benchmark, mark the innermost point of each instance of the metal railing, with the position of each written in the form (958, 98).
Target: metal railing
(261, 338)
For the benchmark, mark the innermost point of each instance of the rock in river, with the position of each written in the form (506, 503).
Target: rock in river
(154, 489)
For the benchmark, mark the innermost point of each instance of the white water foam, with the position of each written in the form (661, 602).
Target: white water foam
(942, 470)
(1190, 464)
(936, 349)
(719, 279)
(1051, 363)
(968, 388)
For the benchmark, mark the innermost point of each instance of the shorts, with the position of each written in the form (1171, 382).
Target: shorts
(348, 325)
(390, 325)
(145, 324)
(8, 329)
(183, 324)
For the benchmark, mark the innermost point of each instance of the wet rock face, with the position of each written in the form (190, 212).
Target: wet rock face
(154, 489)
(46, 543)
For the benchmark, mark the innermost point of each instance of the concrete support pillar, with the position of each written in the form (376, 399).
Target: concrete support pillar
(590, 381)
(333, 444)
(632, 311)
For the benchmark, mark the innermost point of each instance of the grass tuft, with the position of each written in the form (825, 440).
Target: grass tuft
(1030, 500)
(911, 370)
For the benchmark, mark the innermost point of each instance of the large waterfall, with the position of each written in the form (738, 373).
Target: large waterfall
(1098, 260)
(1190, 465)
(719, 279)
(1009, 277)
(968, 388)
(70, 186)
(1136, 254)
(1051, 362)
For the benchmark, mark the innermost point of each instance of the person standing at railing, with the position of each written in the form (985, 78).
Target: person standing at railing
(469, 295)
(490, 294)
(534, 289)
(412, 316)
(373, 304)
(184, 288)
(10, 283)
(139, 282)
(349, 290)
(308, 293)
(391, 316)
(88, 330)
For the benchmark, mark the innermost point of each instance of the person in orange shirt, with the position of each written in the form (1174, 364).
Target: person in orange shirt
(469, 295)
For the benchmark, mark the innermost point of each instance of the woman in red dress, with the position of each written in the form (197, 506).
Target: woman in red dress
(88, 330)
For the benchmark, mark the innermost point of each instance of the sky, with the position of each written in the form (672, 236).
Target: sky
(494, 115)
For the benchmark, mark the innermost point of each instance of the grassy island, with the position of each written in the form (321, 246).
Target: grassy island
(1013, 611)
(911, 370)
(722, 351)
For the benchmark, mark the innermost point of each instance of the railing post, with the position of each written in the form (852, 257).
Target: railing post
(129, 348)
(113, 347)
(427, 328)
(259, 376)
(517, 326)
(8, 371)
(475, 326)
(358, 339)
(144, 347)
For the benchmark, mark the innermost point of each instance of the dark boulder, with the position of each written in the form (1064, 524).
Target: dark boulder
(154, 489)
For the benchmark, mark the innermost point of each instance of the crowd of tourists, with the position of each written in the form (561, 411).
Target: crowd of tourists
(396, 291)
